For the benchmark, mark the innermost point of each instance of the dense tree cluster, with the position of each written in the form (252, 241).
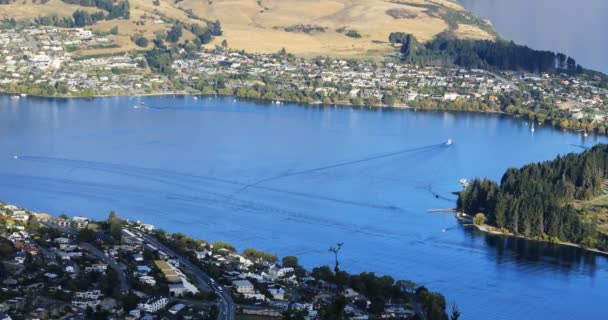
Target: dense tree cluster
(535, 201)
(114, 9)
(484, 54)
(204, 35)
(379, 289)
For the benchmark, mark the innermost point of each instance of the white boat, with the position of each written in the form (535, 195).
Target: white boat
(585, 134)
(464, 182)
(449, 142)
(532, 129)
(23, 95)
(15, 97)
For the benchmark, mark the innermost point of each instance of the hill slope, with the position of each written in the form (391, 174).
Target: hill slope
(304, 27)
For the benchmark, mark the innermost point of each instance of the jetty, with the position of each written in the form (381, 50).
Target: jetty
(444, 210)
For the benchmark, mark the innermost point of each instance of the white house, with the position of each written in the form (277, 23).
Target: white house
(277, 293)
(153, 304)
(243, 286)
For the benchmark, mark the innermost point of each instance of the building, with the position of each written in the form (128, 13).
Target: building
(243, 286)
(153, 304)
(90, 294)
(177, 289)
(80, 222)
(277, 293)
(168, 271)
(176, 308)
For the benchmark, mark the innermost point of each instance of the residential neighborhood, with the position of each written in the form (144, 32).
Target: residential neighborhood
(40, 61)
(78, 268)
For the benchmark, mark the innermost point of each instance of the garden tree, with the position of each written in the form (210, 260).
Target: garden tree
(114, 30)
(290, 262)
(292, 314)
(223, 245)
(535, 200)
(256, 255)
(409, 48)
(388, 99)
(377, 306)
(33, 224)
(140, 41)
(397, 37)
(479, 219)
(334, 310)
(224, 44)
(336, 250)
(115, 225)
(455, 313)
(433, 304)
(86, 235)
(175, 33)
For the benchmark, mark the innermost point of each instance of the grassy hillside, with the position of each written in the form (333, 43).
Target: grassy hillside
(305, 27)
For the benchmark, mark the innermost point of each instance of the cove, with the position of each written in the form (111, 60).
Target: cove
(293, 180)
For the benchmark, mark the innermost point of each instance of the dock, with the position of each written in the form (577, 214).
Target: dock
(441, 210)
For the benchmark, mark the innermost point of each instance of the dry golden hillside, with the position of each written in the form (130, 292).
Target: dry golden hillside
(303, 27)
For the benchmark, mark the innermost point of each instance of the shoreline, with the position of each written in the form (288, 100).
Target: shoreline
(488, 229)
(197, 94)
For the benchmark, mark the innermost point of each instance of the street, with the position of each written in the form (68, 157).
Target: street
(205, 283)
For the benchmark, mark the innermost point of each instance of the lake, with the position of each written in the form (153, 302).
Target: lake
(576, 28)
(294, 180)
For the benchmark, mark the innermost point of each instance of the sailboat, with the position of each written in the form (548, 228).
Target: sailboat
(532, 129)
(585, 133)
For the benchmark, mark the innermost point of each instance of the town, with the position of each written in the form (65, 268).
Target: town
(39, 61)
(76, 268)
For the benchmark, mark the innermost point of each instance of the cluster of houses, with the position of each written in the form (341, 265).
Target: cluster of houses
(56, 57)
(49, 272)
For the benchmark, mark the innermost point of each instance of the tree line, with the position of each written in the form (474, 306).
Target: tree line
(482, 54)
(537, 200)
(114, 9)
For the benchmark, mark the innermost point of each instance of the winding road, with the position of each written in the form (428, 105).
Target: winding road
(204, 282)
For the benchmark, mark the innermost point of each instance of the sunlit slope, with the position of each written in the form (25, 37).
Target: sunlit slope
(304, 27)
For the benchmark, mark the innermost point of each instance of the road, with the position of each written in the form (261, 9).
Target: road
(124, 286)
(204, 282)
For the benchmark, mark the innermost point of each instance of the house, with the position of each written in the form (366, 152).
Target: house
(147, 280)
(153, 304)
(243, 286)
(176, 308)
(168, 271)
(80, 222)
(277, 293)
(177, 289)
(97, 267)
(201, 255)
(20, 257)
(143, 270)
(90, 294)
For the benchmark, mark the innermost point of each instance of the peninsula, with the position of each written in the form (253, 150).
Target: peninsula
(561, 201)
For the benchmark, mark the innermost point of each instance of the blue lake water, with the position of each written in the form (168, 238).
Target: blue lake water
(294, 180)
(576, 28)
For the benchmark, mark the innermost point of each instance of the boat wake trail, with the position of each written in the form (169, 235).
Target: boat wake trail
(337, 165)
(186, 181)
(429, 188)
